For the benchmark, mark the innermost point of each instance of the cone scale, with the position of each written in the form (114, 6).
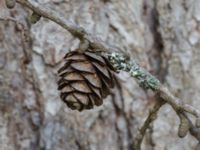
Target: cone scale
(85, 79)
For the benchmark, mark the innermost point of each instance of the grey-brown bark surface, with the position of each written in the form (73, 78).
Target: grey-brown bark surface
(163, 36)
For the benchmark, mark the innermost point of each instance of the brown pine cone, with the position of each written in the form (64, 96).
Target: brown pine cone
(85, 79)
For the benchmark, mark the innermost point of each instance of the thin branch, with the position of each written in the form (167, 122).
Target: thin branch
(72, 28)
(75, 30)
(176, 103)
(148, 81)
(194, 131)
(151, 117)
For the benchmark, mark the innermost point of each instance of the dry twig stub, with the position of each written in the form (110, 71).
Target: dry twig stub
(10, 3)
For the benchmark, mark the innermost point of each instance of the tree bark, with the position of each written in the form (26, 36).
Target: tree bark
(162, 35)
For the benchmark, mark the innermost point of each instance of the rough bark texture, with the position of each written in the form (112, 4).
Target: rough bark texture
(162, 35)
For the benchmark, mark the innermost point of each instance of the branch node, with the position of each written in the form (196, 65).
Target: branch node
(84, 45)
(34, 18)
(77, 32)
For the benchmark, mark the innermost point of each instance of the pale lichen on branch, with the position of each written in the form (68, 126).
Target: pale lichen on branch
(144, 78)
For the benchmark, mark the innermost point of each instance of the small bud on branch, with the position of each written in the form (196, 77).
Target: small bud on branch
(10, 3)
(183, 126)
(34, 18)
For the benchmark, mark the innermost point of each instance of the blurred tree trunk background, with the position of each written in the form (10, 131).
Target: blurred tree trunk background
(161, 35)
